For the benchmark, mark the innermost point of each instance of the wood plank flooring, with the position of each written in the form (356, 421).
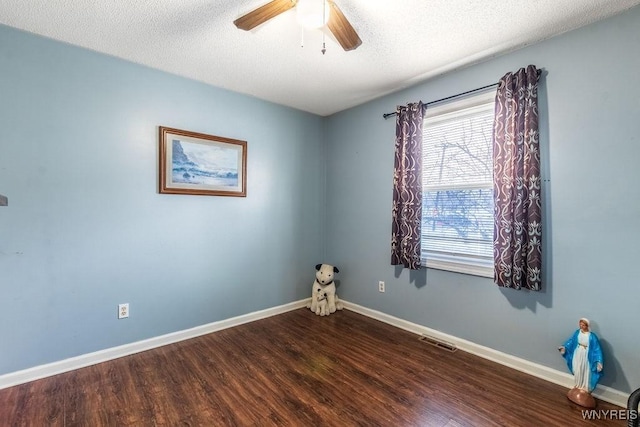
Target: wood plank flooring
(295, 369)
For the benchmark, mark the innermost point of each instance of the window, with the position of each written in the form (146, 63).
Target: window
(457, 184)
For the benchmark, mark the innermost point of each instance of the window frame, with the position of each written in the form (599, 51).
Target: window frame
(459, 263)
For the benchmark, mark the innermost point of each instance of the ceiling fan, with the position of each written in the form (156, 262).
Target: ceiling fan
(336, 21)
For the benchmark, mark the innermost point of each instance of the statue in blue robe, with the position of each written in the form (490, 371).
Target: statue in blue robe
(583, 355)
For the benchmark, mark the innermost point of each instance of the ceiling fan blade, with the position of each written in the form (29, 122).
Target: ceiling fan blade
(263, 14)
(342, 29)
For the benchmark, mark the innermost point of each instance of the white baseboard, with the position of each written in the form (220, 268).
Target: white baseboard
(55, 368)
(564, 379)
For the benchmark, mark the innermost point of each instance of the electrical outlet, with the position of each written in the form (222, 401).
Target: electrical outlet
(381, 286)
(123, 311)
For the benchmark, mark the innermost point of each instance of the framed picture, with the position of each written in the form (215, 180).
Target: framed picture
(195, 163)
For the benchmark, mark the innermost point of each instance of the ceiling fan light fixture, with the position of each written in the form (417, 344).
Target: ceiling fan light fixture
(327, 15)
(312, 13)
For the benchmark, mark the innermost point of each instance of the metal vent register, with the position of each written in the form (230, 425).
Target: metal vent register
(438, 343)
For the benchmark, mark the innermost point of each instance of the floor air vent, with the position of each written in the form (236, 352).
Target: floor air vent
(438, 343)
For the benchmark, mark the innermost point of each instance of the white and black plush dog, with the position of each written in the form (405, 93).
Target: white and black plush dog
(324, 284)
(321, 306)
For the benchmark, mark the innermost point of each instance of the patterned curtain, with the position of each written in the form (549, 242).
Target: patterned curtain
(407, 187)
(516, 182)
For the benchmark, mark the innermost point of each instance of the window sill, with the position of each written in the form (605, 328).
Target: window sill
(460, 267)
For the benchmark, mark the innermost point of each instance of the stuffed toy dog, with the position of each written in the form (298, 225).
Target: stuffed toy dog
(324, 284)
(321, 306)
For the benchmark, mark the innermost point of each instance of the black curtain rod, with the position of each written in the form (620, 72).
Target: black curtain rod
(387, 115)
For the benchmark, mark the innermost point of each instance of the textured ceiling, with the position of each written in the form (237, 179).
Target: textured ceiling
(403, 41)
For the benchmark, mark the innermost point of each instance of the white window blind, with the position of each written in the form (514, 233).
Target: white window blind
(457, 213)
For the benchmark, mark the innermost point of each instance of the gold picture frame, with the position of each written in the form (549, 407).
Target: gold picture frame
(200, 164)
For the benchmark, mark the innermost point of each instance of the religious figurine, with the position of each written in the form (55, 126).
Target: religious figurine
(584, 358)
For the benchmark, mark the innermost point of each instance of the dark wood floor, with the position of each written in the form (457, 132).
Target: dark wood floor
(295, 369)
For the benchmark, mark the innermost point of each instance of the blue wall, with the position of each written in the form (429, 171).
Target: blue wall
(86, 229)
(590, 126)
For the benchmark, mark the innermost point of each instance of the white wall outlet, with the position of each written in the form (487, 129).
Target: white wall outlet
(123, 311)
(381, 286)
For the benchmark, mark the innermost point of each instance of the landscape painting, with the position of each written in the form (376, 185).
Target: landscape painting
(201, 164)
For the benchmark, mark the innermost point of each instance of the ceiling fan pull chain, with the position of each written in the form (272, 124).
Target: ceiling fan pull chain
(301, 36)
(324, 19)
